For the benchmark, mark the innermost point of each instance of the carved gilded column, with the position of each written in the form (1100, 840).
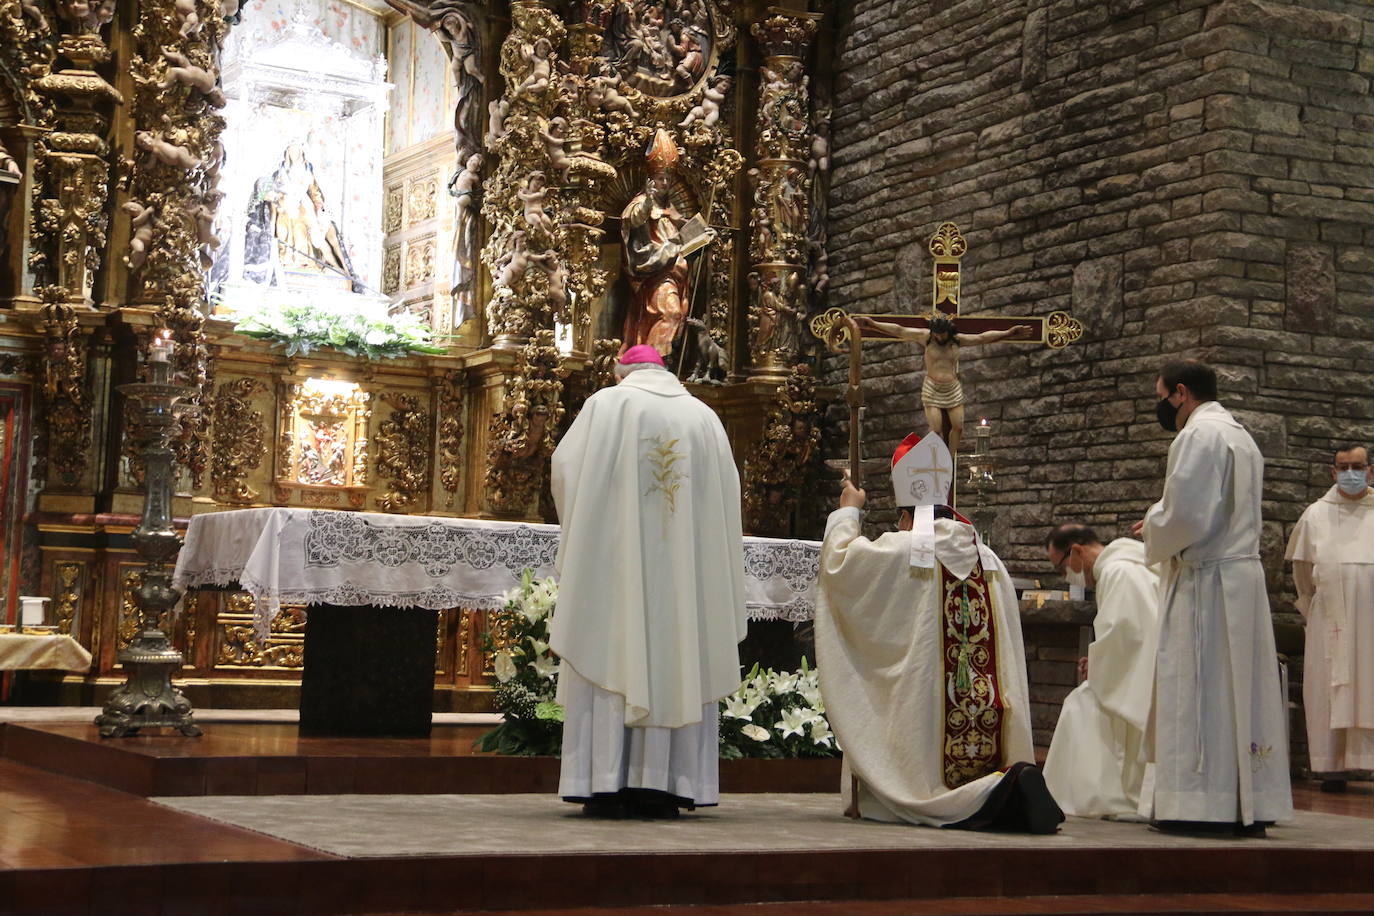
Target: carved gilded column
(172, 194)
(781, 193)
(72, 169)
(523, 200)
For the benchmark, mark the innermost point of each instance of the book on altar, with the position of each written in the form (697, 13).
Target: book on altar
(693, 235)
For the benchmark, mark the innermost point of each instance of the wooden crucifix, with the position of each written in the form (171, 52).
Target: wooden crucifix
(940, 335)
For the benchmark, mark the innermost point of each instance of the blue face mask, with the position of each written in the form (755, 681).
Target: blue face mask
(1352, 483)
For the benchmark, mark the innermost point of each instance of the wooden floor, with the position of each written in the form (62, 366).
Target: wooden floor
(72, 846)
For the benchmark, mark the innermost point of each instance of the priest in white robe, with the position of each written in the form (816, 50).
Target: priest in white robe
(1096, 761)
(651, 594)
(1217, 737)
(922, 667)
(1332, 551)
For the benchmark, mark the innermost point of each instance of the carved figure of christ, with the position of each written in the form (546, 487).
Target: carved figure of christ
(942, 396)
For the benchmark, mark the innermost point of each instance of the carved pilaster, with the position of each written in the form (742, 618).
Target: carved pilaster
(780, 470)
(781, 193)
(449, 448)
(402, 442)
(66, 390)
(523, 434)
(239, 439)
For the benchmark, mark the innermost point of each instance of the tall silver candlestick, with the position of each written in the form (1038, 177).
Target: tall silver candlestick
(148, 699)
(982, 482)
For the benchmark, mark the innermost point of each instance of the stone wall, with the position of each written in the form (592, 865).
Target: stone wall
(1188, 178)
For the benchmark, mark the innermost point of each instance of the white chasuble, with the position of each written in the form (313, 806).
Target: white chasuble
(651, 561)
(1217, 735)
(1332, 549)
(1096, 761)
(923, 671)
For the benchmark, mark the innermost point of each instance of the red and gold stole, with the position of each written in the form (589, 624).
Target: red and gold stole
(973, 697)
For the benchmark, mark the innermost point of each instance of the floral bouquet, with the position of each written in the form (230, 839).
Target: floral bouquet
(526, 672)
(302, 328)
(776, 714)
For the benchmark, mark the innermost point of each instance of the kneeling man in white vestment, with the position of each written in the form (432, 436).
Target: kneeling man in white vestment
(651, 594)
(921, 664)
(1096, 762)
(1332, 549)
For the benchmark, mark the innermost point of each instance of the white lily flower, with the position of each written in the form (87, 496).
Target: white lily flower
(505, 667)
(545, 665)
(739, 708)
(793, 721)
(820, 732)
(757, 732)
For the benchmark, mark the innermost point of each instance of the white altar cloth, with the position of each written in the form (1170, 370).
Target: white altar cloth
(325, 556)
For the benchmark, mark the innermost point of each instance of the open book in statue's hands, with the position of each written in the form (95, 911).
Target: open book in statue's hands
(694, 235)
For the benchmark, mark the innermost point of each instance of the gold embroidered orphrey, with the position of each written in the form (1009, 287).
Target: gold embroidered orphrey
(974, 712)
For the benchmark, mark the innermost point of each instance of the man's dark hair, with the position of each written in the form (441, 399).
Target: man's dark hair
(942, 325)
(1199, 378)
(1070, 533)
(1350, 447)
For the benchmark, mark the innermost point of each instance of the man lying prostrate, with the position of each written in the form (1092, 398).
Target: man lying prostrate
(921, 664)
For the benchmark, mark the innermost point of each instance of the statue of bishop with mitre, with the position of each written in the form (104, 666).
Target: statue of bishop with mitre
(658, 239)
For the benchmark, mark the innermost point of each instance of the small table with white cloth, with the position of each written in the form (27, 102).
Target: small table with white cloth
(370, 672)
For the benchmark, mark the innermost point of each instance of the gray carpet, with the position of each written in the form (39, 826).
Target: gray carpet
(454, 825)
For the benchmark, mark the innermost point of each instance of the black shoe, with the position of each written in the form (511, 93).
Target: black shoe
(654, 810)
(1333, 785)
(610, 808)
(1041, 811)
(1256, 831)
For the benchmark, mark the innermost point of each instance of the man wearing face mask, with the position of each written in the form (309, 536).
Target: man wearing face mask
(1332, 550)
(1216, 734)
(1096, 762)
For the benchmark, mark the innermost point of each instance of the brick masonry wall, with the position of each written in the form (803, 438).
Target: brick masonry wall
(1188, 178)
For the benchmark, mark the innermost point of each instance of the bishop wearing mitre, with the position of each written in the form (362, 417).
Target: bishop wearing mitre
(650, 594)
(921, 663)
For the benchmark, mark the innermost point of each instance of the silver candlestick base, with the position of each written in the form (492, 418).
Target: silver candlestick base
(148, 699)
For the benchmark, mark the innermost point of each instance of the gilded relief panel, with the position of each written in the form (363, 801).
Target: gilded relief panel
(238, 646)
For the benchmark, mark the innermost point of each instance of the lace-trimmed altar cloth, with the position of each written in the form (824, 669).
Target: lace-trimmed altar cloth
(322, 556)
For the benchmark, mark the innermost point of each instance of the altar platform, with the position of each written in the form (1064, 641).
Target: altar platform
(253, 819)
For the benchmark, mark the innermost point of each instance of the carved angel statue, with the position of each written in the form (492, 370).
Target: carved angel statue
(532, 196)
(707, 111)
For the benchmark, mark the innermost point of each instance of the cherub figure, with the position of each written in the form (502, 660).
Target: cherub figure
(497, 109)
(181, 70)
(605, 94)
(554, 139)
(190, 21)
(558, 281)
(532, 195)
(166, 153)
(707, 111)
(538, 55)
(820, 143)
(463, 187)
(141, 236)
(512, 265)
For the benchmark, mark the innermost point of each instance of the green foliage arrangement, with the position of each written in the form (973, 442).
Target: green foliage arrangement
(305, 328)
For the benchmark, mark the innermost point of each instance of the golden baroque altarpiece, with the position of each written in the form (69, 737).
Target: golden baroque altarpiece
(111, 119)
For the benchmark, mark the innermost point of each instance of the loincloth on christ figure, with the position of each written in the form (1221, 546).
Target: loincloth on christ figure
(945, 395)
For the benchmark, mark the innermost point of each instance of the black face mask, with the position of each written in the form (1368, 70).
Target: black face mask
(1167, 414)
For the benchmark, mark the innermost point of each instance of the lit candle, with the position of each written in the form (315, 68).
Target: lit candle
(160, 347)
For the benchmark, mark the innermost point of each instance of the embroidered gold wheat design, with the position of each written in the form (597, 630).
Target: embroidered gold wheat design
(663, 458)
